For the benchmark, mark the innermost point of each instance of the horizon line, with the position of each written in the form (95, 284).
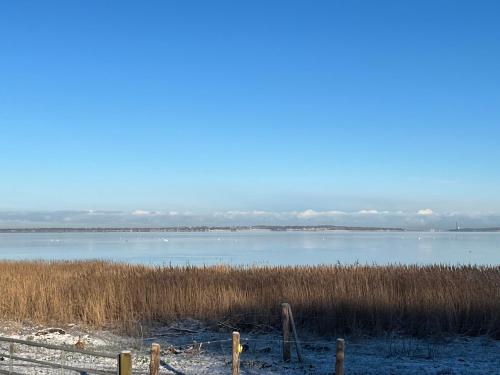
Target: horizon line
(205, 228)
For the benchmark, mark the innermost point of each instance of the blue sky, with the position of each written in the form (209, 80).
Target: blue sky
(212, 108)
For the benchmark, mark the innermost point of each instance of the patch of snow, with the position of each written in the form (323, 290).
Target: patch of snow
(189, 347)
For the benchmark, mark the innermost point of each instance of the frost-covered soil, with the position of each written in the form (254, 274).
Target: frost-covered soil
(188, 347)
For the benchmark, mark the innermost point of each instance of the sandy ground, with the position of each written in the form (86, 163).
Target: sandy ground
(188, 347)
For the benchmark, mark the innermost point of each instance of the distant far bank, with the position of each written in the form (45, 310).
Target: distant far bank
(493, 229)
(272, 228)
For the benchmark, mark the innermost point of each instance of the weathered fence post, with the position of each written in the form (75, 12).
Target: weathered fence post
(11, 353)
(285, 318)
(154, 364)
(295, 336)
(235, 366)
(63, 362)
(125, 363)
(339, 357)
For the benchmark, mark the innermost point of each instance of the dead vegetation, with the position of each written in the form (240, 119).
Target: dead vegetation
(418, 300)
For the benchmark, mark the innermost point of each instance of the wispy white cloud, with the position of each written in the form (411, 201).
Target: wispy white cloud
(309, 213)
(145, 213)
(368, 212)
(425, 212)
(239, 214)
(140, 213)
(421, 219)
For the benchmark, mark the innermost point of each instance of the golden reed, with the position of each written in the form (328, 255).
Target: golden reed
(330, 299)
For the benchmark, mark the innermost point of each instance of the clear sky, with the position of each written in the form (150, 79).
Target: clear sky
(303, 110)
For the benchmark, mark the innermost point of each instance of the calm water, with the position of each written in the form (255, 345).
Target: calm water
(258, 247)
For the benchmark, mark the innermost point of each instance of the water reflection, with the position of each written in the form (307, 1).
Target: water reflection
(254, 247)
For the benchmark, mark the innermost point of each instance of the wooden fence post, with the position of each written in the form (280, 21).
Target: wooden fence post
(154, 364)
(125, 363)
(235, 366)
(295, 335)
(11, 353)
(285, 318)
(339, 357)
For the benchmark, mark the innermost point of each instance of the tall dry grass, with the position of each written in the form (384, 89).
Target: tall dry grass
(329, 299)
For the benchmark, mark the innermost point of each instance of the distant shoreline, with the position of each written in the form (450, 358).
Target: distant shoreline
(270, 228)
(493, 229)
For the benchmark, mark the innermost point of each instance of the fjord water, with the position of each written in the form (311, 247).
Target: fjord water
(257, 247)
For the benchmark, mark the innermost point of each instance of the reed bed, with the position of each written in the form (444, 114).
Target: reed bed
(418, 300)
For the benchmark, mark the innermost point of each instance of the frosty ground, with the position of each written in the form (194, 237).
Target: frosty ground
(189, 347)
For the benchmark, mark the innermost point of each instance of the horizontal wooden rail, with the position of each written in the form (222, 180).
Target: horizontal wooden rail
(6, 372)
(57, 347)
(59, 366)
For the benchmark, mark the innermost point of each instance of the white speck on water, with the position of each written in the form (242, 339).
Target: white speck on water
(277, 248)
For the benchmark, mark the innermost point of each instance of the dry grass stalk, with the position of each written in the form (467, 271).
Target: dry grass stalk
(333, 299)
